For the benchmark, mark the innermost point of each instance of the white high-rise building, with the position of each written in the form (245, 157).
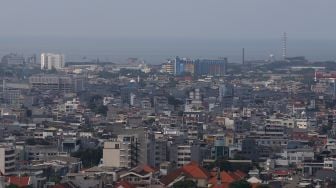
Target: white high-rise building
(52, 61)
(7, 159)
(121, 152)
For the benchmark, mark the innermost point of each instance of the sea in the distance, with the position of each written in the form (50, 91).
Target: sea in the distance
(156, 51)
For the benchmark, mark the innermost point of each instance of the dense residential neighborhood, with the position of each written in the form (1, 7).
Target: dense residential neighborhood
(184, 123)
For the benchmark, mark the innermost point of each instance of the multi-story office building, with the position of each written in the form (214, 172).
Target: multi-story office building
(187, 153)
(7, 159)
(219, 150)
(160, 151)
(12, 96)
(13, 59)
(66, 83)
(70, 144)
(41, 152)
(121, 152)
(298, 155)
(183, 66)
(213, 67)
(142, 143)
(178, 66)
(52, 61)
(225, 91)
(169, 67)
(199, 67)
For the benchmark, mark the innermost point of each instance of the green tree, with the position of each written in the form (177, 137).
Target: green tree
(240, 184)
(173, 101)
(89, 157)
(225, 165)
(263, 186)
(12, 186)
(101, 109)
(184, 184)
(107, 75)
(96, 105)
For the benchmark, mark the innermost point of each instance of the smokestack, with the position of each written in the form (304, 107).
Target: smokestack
(243, 56)
(284, 46)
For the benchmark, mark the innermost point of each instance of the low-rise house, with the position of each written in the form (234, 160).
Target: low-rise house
(224, 179)
(141, 176)
(191, 171)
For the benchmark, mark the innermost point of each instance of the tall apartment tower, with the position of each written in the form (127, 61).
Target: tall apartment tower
(284, 46)
(121, 152)
(7, 159)
(52, 61)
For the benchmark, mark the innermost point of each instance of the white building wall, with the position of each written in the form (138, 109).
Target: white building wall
(50, 61)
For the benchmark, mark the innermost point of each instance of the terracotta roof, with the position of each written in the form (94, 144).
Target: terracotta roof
(148, 169)
(255, 185)
(19, 181)
(240, 173)
(124, 184)
(196, 171)
(143, 169)
(226, 178)
(171, 176)
(281, 172)
(192, 170)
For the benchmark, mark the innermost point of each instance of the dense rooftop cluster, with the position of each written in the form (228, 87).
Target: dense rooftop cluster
(184, 123)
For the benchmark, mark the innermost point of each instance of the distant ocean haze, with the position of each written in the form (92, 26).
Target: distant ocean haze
(156, 51)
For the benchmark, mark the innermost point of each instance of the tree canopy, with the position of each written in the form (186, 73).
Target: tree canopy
(240, 184)
(184, 184)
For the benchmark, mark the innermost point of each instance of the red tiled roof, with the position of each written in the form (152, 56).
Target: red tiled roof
(143, 169)
(148, 169)
(227, 178)
(19, 181)
(255, 185)
(171, 176)
(196, 171)
(281, 172)
(240, 173)
(192, 170)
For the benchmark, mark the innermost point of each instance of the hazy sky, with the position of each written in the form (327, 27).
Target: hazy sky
(216, 19)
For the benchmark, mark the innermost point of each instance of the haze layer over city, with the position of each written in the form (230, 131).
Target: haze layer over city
(154, 31)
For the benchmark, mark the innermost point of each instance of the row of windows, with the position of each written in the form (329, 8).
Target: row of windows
(9, 164)
(181, 153)
(184, 159)
(9, 152)
(9, 158)
(37, 154)
(299, 158)
(272, 142)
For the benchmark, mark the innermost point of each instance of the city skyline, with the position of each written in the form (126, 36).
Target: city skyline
(155, 31)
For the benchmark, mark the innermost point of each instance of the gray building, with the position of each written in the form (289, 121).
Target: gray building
(13, 59)
(66, 83)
